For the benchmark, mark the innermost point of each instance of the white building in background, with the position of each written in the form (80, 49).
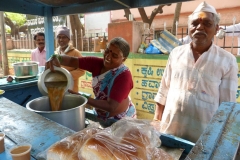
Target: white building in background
(97, 23)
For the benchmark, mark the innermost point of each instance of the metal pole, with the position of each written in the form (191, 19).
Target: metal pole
(49, 34)
(76, 41)
(4, 50)
(88, 43)
(82, 39)
(87, 39)
(234, 20)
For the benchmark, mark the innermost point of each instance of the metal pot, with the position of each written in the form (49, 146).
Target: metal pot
(72, 114)
(23, 69)
(60, 74)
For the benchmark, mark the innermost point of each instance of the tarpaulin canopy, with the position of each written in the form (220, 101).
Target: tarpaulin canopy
(64, 7)
(50, 8)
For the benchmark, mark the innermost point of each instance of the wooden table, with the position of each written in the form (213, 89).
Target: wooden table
(221, 138)
(21, 91)
(23, 126)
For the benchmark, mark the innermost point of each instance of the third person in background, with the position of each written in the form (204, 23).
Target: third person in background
(63, 39)
(39, 53)
(198, 77)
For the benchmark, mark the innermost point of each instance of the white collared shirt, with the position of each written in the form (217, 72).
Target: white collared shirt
(38, 56)
(192, 91)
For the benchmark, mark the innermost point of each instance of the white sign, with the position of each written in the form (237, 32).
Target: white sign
(97, 23)
(36, 23)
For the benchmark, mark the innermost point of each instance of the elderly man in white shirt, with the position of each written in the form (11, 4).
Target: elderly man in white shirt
(197, 78)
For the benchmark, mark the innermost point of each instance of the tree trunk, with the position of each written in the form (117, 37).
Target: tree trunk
(143, 14)
(153, 14)
(15, 29)
(127, 13)
(4, 51)
(176, 17)
(11, 25)
(77, 31)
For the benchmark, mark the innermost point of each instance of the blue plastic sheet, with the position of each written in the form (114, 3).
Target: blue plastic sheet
(152, 50)
(166, 42)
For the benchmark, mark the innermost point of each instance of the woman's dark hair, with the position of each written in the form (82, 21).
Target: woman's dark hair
(122, 44)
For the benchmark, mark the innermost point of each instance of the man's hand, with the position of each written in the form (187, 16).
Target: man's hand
(158, 112)
(53, 61)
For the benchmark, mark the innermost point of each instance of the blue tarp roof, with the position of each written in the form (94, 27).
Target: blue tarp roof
(50, 8)
(64, 7)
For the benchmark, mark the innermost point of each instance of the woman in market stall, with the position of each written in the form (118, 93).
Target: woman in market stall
(111, 82)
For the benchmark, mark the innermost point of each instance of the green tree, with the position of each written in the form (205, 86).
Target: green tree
(16, 22)
(19, 19)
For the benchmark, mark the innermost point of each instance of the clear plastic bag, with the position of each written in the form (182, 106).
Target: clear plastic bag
(105, 146)
(127, 139)
(67, 148)
(137, 129)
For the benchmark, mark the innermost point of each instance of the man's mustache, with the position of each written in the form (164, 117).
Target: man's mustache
(40, 43)
(199, 32)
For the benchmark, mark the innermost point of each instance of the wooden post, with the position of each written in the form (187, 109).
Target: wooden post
(4, 50)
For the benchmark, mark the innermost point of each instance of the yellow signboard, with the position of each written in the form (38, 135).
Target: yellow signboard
(145, 106)
(145, 95)
(148, 71)
(146, 83)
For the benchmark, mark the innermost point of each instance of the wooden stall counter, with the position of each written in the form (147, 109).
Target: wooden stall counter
(220, 140)
(20, 90)
(23, 126)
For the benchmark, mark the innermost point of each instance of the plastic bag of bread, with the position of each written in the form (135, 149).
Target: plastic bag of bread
(160, 154)
(105, 146)
(127, 139)
(137, 129)
(67, 148)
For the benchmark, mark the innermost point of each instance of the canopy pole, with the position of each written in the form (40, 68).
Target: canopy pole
(48, 27)
(4, 50)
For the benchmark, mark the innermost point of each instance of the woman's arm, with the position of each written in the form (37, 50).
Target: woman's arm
(58, 60)
(77, 72)
(109, 105)
(69, 61)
